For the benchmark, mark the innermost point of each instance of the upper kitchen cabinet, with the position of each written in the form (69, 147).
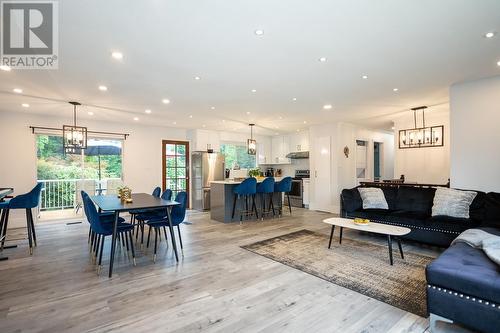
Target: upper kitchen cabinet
(299, 142)
(264, 152)
(280, 147)
(202, 139)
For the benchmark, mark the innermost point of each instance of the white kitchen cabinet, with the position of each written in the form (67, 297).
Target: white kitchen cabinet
(280, 147)
(202, 138)
(264, 152)
(299, 142)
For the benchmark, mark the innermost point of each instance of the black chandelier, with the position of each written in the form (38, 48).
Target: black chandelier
(421, 137)
(251, 143)
(74, 137)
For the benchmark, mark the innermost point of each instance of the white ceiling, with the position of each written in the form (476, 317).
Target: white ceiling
(419, 47)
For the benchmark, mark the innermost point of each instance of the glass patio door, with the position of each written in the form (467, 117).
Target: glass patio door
(176, 166)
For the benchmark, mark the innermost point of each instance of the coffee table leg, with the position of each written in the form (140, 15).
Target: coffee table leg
(389, 243)
(340, 239)
(400, 249)
(331, 236)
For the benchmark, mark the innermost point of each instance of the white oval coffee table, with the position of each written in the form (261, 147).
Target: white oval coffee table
(373, 227)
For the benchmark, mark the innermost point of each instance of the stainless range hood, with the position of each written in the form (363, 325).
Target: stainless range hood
(298, 155)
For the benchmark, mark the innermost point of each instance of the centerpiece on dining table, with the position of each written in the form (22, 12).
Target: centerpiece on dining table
(125, 194)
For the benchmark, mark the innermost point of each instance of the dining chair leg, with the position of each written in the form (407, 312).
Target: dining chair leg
(156, 244)
(137, 232)
(289, 206)
(142, 232)
(33, 226)
(126, 241)
(132, 246)
(165, 233)
(90, 233)
(149, 234)
(98, 246)
(99, 266)
(28, 225)
(180, 238)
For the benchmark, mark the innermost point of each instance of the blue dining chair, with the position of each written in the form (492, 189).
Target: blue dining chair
(284, 186)
(26, 201)
(103, 229)
(150, 214)
(106, 217)
(133, 213)
(178, 214)
(266, 187)
(243, 193)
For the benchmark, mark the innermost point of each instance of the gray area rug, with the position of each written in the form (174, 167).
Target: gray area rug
(357, 265)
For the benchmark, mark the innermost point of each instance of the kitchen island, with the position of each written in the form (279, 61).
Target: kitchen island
(222, 196)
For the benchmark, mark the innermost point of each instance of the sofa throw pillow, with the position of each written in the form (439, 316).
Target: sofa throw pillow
(454, 203)
(373, 198)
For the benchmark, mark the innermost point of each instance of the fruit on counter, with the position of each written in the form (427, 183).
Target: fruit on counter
(361, 221)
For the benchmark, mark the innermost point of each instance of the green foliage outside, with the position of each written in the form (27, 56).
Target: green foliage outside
(237, 155)
(52, 164)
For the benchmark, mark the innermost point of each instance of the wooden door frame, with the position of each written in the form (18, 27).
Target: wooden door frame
(164, 166)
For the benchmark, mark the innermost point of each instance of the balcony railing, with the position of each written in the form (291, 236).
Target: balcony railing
(61, 193)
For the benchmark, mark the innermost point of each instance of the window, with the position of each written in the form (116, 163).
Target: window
(237, 155)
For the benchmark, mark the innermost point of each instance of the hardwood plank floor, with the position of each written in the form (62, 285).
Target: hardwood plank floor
(216, 287)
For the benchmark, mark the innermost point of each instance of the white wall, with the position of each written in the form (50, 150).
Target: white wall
(475, 145)
(423, 165)
(142, 164)
(343, 169)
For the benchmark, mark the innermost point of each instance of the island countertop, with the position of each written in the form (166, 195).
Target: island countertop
(236, 182)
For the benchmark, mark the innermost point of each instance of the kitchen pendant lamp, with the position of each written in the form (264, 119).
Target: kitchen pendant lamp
(251, 143)
(421, 137)
(74, 137)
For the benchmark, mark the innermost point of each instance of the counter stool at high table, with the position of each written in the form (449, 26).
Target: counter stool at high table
(266, 188)
(284, 186)
(243, 193)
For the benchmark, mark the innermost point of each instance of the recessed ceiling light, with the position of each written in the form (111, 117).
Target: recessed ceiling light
(327, 106)
(213, 107)
(294, 99)
(136, 118)
(5, 68)
(223, 120)
(395, 89)
(305, 122)
(190, 116)
(322, 59)
(117, 55)
(90, 113)
(490, 34)
(103, 88)
(17, 90)
(298, 130)
(165, 101)
(25, 105)
(148, 111)
(254, 90)
(197, 78)
(259, 32)
(392, 128)
(364, 77)
(175, 123)
(498, 63)
(203, 125)
(280, 117)
(248, 112)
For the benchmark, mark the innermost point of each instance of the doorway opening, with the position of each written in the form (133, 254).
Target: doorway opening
(377, 161)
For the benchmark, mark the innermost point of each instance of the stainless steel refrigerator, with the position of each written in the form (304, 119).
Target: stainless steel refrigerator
(206, 167)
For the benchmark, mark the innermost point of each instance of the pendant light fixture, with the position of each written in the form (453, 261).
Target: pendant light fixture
(251, 143)
(74, 137)
(421, 137)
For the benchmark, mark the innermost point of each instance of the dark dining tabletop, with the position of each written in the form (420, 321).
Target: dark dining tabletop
(111, 203)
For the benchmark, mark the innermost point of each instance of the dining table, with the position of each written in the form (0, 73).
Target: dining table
(4, 192)
(140, 201)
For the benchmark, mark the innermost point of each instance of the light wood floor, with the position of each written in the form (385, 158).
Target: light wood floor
(216, 287)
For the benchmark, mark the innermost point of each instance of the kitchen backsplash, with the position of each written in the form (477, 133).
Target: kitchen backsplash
(289, 169)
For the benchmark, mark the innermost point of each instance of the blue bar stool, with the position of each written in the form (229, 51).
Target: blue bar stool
(266, 187)
(284, 186)
(243, 193)
(26, 201)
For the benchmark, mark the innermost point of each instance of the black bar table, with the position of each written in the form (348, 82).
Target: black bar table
(4, 191)
(111, 203)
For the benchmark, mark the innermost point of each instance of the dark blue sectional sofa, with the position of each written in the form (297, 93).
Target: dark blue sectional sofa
(463, 283)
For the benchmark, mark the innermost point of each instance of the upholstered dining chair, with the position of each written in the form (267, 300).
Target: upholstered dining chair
(178, 214)
(26, 201)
